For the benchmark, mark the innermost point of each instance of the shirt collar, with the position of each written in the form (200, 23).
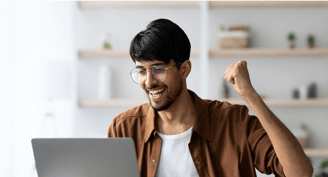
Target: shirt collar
(201, 123)
(150, 124)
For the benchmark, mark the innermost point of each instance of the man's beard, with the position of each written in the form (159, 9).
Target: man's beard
(170, 98)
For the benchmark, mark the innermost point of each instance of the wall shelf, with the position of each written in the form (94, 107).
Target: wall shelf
(119, 53)
(267, 52)
(318, 102)
(316, 152)
(113, 102)
(196, 4)
(127, 4)
(103, 53)
(281, 102)
(251, 52)
(268, 4)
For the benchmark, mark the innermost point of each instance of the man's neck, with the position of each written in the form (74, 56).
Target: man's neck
(178, 118)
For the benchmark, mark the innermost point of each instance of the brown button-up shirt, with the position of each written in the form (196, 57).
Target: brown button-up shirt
(225, 140)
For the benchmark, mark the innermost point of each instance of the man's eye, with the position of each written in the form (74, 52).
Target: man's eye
(142, 72)
(159, 70)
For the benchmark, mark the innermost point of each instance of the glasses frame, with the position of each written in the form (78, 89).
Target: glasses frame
(151, 71)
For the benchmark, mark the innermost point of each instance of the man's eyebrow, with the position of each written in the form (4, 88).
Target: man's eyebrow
(158, 63)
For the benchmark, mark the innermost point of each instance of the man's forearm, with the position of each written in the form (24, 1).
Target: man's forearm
(289, 151)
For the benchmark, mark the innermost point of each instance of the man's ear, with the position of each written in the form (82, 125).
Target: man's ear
(185, 69)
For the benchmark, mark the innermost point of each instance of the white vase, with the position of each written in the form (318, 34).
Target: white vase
(104, 83)
(303, 92)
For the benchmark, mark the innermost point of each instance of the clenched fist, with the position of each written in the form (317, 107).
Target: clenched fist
(237, 74)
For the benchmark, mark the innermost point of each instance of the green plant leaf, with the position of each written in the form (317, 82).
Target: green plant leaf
(324, 164)
(311, 39)
(291, 36)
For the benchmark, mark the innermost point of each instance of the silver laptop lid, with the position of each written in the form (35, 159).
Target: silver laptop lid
(80, 157)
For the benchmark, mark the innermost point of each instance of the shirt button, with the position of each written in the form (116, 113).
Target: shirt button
(198, 162)
(154, 161)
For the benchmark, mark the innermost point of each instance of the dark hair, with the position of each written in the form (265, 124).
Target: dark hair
(161, 40)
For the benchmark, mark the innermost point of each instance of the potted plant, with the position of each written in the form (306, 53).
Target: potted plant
(322, 167)
(311, 41)
(291, 38)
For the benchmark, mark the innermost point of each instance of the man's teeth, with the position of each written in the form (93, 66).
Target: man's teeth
(156, 91)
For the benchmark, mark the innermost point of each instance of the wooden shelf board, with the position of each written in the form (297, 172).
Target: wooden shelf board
(268, 4)
(129, 4)
(113, 102)
(196, 4)
(251, 52)
(318, 102)
(267, 52)
(119, 53)
(276, 102)
(316, 152)
(104, 53)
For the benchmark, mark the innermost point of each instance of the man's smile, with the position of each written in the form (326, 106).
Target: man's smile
(157, 93)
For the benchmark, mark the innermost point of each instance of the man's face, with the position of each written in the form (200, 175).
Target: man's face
(161, 94)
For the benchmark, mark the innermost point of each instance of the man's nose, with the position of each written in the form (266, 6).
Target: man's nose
(149, 79)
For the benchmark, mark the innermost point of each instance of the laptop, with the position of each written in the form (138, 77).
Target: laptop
(80, 157)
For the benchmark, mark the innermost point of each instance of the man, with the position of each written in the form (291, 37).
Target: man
(179, 134)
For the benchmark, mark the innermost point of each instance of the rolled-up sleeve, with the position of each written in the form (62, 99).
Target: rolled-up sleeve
(264, 155)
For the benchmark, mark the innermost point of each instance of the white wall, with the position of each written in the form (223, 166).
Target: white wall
(33, 34)
(272, 77)
(6, 102)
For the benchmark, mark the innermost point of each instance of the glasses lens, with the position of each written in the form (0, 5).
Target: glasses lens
(159, 73)
(138, 75)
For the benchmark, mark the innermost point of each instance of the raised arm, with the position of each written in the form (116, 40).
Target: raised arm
(289, 151)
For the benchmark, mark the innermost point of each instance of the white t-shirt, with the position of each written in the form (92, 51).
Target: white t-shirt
(175, 159)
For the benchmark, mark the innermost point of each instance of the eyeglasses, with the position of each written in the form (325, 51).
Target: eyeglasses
(158, 72)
